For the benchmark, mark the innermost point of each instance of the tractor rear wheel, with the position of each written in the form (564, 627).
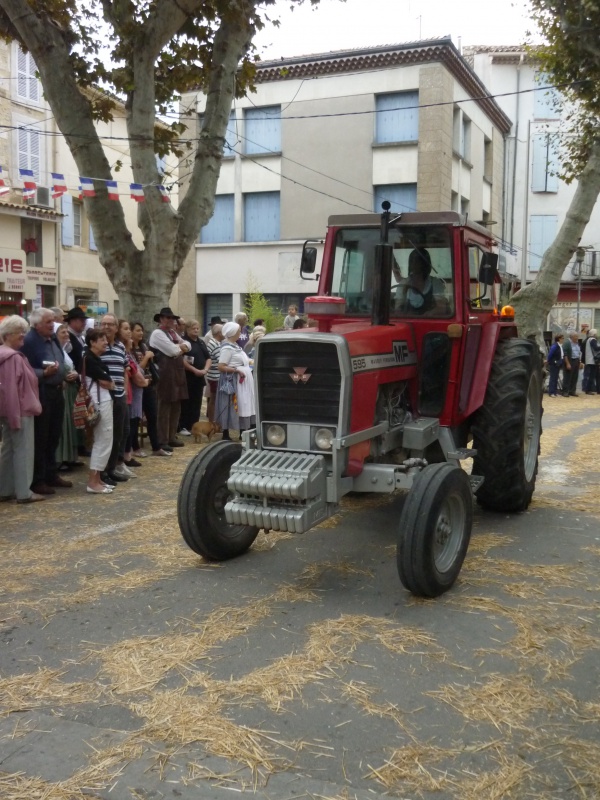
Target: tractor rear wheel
(203, 494)
(507, 428)
(435, 530)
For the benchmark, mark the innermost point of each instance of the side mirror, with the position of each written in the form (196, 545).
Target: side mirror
(308, 263)
(488, 268)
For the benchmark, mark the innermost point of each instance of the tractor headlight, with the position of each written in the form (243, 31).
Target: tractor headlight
(276, 435)
(323, 438)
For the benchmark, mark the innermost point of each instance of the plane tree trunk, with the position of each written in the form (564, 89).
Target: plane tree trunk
(533, 302)
(143, 277)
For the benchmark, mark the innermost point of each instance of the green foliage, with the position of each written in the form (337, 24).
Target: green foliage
(572, 59)
(258, 307)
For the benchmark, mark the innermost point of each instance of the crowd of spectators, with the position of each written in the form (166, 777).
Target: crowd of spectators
(159, 383)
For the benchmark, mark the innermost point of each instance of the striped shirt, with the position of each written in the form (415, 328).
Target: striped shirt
(115, 360)
(214, 348)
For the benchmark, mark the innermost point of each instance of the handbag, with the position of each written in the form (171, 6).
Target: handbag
(85, 413)
(227, 383)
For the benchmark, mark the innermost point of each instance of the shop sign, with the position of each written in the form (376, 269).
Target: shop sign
(11, 265)
(39, 275)
(14, 284)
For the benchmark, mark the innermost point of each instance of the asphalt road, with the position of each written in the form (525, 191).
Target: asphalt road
(130, 668)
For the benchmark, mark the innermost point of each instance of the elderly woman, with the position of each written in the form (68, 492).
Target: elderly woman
(19, 404)
(235, 395)
(66, 453)
(196, 362)
(242, 321)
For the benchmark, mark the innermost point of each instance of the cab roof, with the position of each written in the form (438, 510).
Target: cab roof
(411, 218)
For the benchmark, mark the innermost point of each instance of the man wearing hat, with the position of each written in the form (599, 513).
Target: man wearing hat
(169, 349)
(76, 320)
(209, 334)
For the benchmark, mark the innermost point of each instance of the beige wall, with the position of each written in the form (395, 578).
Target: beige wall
(434, 183)
(335, 148)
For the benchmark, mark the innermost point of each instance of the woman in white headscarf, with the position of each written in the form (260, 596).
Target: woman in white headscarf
(235, 397)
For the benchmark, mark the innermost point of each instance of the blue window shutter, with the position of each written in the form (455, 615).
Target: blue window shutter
(402, 196)
(545, 166)
(542, 230)
(543, 99)
(261, 217)
(92, 242)
(220, 226)
(67, 221)
(262, 130)
(553, 163)
(397, 117)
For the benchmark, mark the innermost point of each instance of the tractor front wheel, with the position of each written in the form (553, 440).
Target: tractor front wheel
(203, 494)
(507, 428)
(435, 530)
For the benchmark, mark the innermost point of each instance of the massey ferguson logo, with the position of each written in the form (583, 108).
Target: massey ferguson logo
(300, 375)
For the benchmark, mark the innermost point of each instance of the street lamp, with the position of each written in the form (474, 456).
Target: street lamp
(579, 259)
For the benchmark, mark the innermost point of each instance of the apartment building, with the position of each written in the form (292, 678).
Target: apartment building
(339, 133)
(535, 198)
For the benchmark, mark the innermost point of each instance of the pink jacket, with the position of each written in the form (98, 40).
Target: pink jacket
(19, 394)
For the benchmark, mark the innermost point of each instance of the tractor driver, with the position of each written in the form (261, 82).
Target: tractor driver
(421, 292)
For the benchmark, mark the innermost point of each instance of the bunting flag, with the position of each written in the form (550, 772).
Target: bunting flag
(4, 189)
(113, 191)
(29, 184)
(80, 193)
(59, 187)
(87, 187)
(163, 194)
(137, 192)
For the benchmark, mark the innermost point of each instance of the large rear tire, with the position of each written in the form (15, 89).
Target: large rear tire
(203, 494)
(507, 428)
(435, 530)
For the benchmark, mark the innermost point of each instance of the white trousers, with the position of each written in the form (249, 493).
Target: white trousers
(16, 459)
(103, 437)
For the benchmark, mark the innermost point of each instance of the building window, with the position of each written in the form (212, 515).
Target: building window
(488, 159)
(220, 226)
(545, 99)
(28, 86)
(31, 237)
(76, 224)
(402, 196)
(397, 117)
(261, 217)
(462, 134)
(542, 230)
(262, 132)
(29, 151)
(545, 165)
(217, 305)
(232, 138)
(464, 206)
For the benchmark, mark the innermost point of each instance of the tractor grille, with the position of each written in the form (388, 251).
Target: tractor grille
(281, 399)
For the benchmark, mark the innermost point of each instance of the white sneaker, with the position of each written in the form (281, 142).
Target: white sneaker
(125, 472)
(184, 432)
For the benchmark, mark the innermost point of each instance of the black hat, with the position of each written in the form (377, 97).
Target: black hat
(216, 321)
(165, 312)
(76, 313)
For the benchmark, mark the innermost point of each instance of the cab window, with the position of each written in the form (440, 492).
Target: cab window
(481, 297)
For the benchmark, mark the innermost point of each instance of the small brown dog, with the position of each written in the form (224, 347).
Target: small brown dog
(204, 428)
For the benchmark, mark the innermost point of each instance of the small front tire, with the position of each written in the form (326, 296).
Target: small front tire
(203, 494)
(435, 530)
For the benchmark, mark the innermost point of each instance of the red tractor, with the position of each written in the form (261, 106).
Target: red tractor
(411, 370)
